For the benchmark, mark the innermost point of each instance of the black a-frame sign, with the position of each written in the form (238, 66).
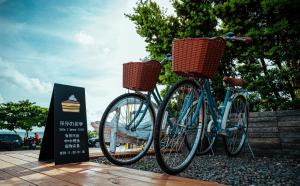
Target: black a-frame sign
(65, 138)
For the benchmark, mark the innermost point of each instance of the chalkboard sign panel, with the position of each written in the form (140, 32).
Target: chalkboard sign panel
(65, 138)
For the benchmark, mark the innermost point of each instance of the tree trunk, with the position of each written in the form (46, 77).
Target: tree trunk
(265, 70)
(293, 64)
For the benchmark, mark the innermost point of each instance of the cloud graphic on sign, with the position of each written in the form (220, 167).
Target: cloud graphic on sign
(72, 98)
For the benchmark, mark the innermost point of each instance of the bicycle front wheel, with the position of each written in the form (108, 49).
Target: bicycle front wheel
(236, 125)
(174, 126)
(126, 129)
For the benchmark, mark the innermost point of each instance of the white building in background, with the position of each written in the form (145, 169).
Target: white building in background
(96, 125)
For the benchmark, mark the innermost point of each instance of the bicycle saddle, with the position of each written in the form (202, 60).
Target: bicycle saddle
(233, 81)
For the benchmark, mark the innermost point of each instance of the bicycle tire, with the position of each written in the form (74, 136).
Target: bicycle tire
(204, 123)
(207, 142)
(231, 117)
(114, 157)
(159, 142)
(209, 136)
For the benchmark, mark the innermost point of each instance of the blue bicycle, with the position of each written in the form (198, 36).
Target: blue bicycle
(126, 126)
(189, 116)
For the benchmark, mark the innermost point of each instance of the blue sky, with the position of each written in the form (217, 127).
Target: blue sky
(75, 42)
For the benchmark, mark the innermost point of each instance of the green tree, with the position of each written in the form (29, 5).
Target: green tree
(269, 64)
(22, 115)
(92, 134)
(159, 29)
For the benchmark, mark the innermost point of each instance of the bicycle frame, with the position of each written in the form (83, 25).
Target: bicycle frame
(157, 98)
(217, 114)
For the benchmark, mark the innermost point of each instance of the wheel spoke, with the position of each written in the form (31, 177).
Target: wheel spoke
(171, 146)
(236, 125)
(118, 142)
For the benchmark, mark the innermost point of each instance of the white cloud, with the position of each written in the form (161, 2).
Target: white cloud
(106, 50)
(115, 42)
(84, 38)
(13, 76)
(109, 39)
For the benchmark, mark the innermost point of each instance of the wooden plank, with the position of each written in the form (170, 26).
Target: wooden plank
(21, 152)
(7, 179)
(265, 140)
(139, 175)
(290, 129)
(263, 135)
(264, 152)
(290, 145)
(74, 175)
(5, 176)
(294, 152)
(153, 177)
(288, 113)
(100, 174)
(50, 170)
(97, 155)
(289, 135)
(265, 146)
(289, 124)
(263, 119)
(290, 140)
(28, 154)
(94, 152)
(29, 175)
(262, 124)
(289, 118)
(262, 114)
(263, 129)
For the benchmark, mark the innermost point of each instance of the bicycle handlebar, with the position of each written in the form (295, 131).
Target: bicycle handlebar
(231, 37)
(166, 59)
(246, 40)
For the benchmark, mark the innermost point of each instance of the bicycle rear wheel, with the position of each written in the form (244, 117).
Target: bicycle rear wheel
(174, 126)
(236, 125)
(209, 135)
(201, 119)
(126, 129)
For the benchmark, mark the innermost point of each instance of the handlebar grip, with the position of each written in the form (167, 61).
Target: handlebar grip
(248, 40)
(166, 59)
(231, 37)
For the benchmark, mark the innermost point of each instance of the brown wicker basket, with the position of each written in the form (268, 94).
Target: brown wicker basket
(198, 57)
(141, 76)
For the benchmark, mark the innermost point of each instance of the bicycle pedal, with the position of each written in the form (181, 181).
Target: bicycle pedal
(223, 133)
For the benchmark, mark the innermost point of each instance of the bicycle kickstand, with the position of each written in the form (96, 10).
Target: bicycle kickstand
(212, 151)
(211, 148)
(249, 147)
